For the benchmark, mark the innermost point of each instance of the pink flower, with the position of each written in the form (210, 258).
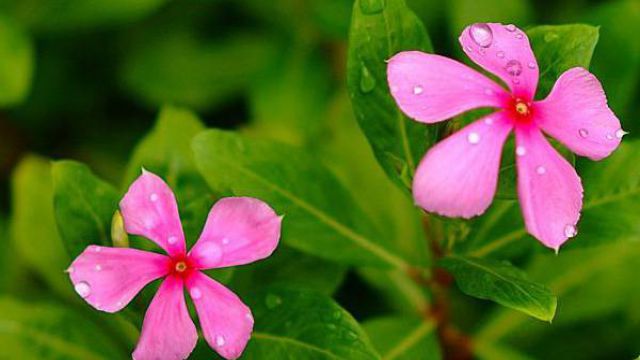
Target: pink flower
(238, 231)
(458, 176)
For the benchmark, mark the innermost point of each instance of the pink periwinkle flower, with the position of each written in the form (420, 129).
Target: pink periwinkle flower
(239, 230)
(458, 177)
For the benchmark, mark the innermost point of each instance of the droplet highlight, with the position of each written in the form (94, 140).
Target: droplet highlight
(570, 231)
(513, 67)
(98, 267)
(220, 340)
(500, 54)
(481, 34)
(195, 293)
(519, 36)
(531, 65)
(521, 151)
(83, 289)
(371, 7)
(367, 81)
(488, 121)
(583, 133)
(541, 170)
(417, 90)
(473, 138)
(621, 133)
(510, 27)
(153, 197)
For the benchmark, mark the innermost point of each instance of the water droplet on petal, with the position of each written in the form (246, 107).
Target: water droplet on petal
(70, 270)
(531, 65)
(98, 267)
(225, 241)
(583, 133)
(620, 133)
(367, 81)
(272, 301)
(488, 121)
(513, 67)
(570, 231)
(172, 240)
(371, 7)
(500, 54)
(519, 36)
(248, 316)
(521, 151)
(468, 48)
(488, 92)
(541, 170)
(195, 293)
(473, 138)
(119, 303)
(210, 252)
(394, 89)
(417, 90)
(83, 289)
(153, 197)
(220, 340)
(510, 28)
(609, 137)
(481, 34)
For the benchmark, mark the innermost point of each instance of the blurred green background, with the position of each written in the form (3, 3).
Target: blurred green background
(85, 79)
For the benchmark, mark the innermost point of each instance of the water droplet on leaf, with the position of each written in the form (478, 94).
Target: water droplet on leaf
(272, 301)
(371, 7)
(367, 81)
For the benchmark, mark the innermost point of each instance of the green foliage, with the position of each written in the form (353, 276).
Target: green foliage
(16, 63)
(293, 324)
(401, 338)
(502, 283)
(321, 218)
(379, 30)
(52, 332)
(465, 12)
(84, 206)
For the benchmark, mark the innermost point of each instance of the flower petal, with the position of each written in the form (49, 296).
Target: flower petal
(576, 113)
(505, 52)
(109, 278)
(168, 332)
(226, 322)
(149, 209)
(458, 176)
(239, 230)
(432, 88)
(549, 189)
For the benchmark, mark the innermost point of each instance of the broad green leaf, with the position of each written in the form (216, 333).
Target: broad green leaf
(16, 63)
(321, 217)
(166, 151)
(33, 228)
(400, 338)
(466, 12)
(399, 291)
(559, 48)
(52, 332)
(379, 30)
(179, 68)
(503, 283)
(84, 206)
(617, 61)
(71, 15)
(293, 324)
(289, 267)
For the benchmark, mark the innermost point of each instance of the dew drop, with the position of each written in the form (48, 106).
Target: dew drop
(481, 34)
(83, 289)
(225, 241)
(488, 92)
(510, 28)
(367, 81)
(119, 303)
(500, 54)
(583, 133)
(394, 89)
(609, 137)
(620, 133)
(172, 240)
(272, 301)
(248, 316)
(195, 293)
(570, 231)
(473, 138)
(488, 121)
(541, 170)
(519, 36)
(513, 67)
(371, 7)
(521, 151)
(468, 48)
(220, 340)
(531, 65)
(98, 267)
(210, 252)
(153, 197)
(417, 90)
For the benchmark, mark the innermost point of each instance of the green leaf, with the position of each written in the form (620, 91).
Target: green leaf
(399, 338)
(289, 267)
(84, 206)
(33, 228)
(402, 293)
(179, 68)
(559, 48)
(166, 151)
(51, 332)
(379, 30)
(71, 15)
(467, 12)
(503, 283)
(321, 218)
(292, 324)
(16, 63)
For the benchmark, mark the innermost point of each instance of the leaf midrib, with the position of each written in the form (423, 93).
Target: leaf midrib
(295, 342)
(423, 330)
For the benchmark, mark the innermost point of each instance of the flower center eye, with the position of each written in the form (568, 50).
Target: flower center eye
(522, 108)
(181, 266)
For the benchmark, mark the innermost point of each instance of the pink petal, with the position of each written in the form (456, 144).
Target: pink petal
(108, 278)
(458, 176)
(239, 230)
(549, 189)
(167, 331)
(505, 52)
(576, 113)
(149, 209)
(431, 88)
(226, 322)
